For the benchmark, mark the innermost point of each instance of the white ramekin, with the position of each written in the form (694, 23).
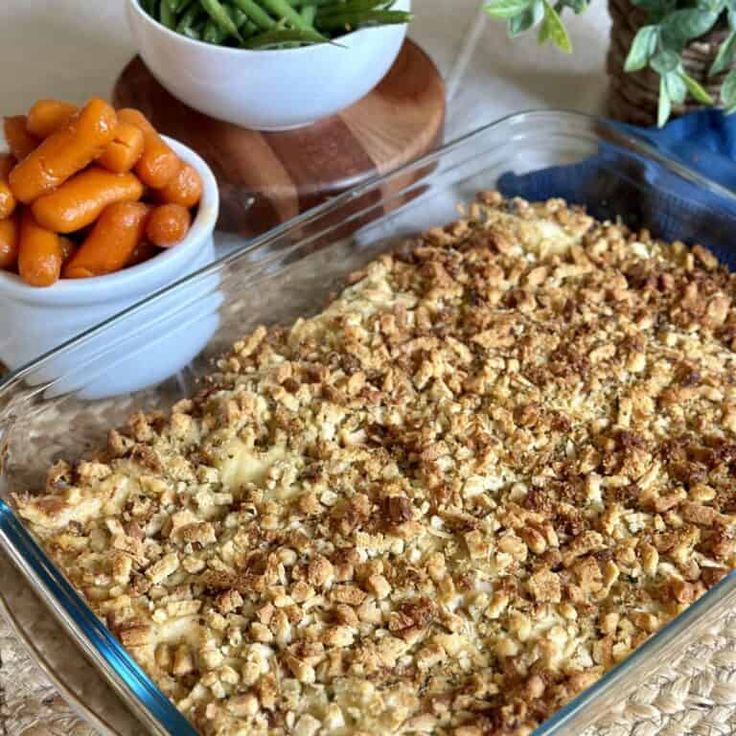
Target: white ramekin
(34, 321)
(267, 90)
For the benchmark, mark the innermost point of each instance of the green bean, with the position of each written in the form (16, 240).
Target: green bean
(174, 5)
(308, 13)
(282, 9)
(333, 6)
(188, 22)
(220, 16)
(347, 21)
(192, 32)
(284, 37)
(213, 33)
(260, 24)
(239, 17)
(256, 13)
(166, 16)
(187, 13)
(352, 6)
(249, 29)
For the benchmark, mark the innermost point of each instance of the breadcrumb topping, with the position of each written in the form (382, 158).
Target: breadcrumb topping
(482, 476)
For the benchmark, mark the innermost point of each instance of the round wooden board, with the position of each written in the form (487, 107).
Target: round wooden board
(267, 178)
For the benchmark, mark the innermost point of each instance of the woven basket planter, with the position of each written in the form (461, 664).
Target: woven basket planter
(633, 97)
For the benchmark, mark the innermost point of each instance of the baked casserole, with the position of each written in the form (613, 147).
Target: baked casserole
(492, 467)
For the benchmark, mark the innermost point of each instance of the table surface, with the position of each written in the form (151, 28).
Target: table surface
(72, 49)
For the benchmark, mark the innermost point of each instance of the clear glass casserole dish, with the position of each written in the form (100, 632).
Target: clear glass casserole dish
(290, 273)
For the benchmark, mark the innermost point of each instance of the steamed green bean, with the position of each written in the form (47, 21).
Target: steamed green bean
(282, 9)
(283, 37)
(357, 19)
(308, 13)
(220, 17)
(166, 15)
(260, 24)
(256, 13)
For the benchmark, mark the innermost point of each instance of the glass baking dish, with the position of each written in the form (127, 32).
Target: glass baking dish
(291, 272)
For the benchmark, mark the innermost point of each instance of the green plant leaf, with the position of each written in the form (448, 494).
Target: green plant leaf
(506, 9)
(526, 20)
(664, 62)
(530, 17)
(642, 47)
(696, 90)
(681, 25)
(724, 56)
(728, 90)
(676, 87)
(664, 107)
(713, 6)
(577, 6)
(553, 29)
(656, 9)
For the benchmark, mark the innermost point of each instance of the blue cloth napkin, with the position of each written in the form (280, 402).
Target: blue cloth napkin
(704, 140)
(617, 181)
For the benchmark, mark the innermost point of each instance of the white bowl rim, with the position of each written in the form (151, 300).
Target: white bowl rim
(301, 50)
(116, 284)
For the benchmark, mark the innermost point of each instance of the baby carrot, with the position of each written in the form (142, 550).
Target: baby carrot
(65, 152)
(113, 240)
(159, 164)
(20, 142)
(79, 201)
(184, 189)
(68, 246)
(168, 224)
(47, 116)
(7, 200)
(143, 252)
(125, 150)
(9, 242)
(40, 254)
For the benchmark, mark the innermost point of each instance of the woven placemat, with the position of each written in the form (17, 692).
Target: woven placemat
(29, 704)
(694, 695)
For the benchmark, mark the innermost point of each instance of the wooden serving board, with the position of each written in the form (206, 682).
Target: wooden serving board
(267, 178)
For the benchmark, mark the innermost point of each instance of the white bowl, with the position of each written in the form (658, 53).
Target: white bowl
(267, 90)
(34, 320)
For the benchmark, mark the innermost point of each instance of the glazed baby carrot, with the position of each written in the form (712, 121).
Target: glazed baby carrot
(65, 152)
(143, 252)
(20, 142)
(123, 153)
(47, 116)
(111, 243)
(7, 200)
(168, 224)
(9, 242)
(159, 164)
(79, 201)
(184, 189)
(40, 254)
(68, 246)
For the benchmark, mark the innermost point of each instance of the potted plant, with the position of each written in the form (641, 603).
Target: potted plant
(666, 56)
